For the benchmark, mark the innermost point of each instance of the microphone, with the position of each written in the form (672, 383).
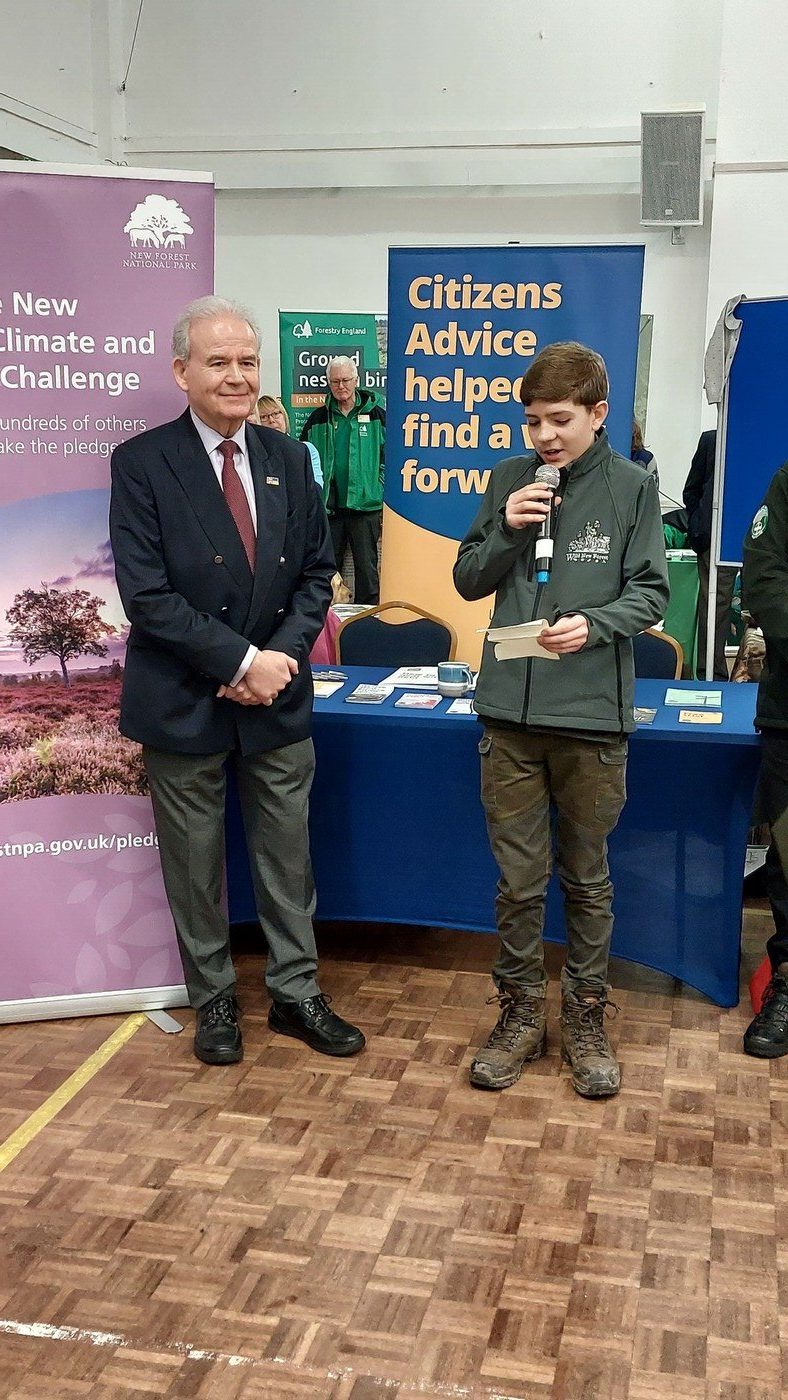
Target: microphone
(543, 553)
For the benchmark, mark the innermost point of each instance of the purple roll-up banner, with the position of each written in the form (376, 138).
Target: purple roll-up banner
(95, 266)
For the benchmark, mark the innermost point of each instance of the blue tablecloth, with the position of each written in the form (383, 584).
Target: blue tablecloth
(398, 832)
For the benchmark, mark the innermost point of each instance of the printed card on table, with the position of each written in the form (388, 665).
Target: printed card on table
(418, 700)
(700, 716)
(369, 695)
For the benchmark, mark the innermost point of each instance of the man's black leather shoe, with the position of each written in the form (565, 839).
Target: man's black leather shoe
(314, 1022)
(217, 1039)
(767, 1035)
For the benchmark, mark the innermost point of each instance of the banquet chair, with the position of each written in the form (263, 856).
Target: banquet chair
(366, 640)
(657, 656)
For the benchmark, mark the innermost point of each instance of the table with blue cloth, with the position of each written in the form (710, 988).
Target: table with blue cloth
(398, 830)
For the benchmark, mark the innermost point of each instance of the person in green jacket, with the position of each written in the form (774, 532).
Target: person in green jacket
(349, 432)
(765, 596)
(555, 734)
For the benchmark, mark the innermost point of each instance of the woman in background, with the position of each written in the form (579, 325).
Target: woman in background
(324, 652)
(640, 453)
(271, 413)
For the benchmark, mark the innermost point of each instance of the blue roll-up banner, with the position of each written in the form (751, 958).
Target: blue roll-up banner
(756, 440)
(464, 326)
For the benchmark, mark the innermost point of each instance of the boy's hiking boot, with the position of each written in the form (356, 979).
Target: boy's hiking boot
(596, 1073)
(518, 1036)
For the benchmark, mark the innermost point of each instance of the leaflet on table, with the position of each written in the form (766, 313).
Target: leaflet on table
(522, 639)
(413, 677)
(324, 689)
(644, 714)
(694, 699)
(700, 716)
(462, 706)
(420, 700)
(369, 694)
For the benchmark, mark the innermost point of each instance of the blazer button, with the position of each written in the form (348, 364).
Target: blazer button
(224, 609)
(217, 559)
(281, 558)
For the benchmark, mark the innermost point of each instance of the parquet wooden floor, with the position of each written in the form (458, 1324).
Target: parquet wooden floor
(297, 1228)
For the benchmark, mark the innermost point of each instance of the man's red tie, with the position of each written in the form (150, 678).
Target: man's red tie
(235, 497)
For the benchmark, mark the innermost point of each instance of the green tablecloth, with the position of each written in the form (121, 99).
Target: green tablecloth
(681, 618)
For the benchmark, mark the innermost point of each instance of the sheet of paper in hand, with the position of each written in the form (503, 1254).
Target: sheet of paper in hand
(520, 640)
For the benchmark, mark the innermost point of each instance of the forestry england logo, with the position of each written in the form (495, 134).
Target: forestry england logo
(589, 545)
(158, 229)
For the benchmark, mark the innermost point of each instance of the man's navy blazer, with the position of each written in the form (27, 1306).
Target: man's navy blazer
(190, 596)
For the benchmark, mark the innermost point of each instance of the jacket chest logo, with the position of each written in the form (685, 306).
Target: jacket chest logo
(589, 545)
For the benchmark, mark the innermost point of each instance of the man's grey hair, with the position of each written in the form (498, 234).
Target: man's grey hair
(205, 309)
(340, 362)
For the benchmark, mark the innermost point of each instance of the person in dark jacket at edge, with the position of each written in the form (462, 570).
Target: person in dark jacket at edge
(698, 499)
(556, 734)
(765, 595)
(349, 432)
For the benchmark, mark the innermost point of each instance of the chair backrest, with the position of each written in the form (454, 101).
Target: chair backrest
(657, 656)
(364, 640)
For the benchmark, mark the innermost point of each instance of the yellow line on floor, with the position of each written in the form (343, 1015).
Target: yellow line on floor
(32, 1126)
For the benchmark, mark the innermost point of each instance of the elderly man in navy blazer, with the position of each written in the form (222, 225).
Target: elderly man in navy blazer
(224, 563)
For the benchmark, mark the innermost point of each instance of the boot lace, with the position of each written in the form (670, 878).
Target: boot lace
(223, 1009)
(318, 1008)
(589, 1026)
(516, 1015)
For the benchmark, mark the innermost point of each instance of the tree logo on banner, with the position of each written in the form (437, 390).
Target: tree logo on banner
(158, 222)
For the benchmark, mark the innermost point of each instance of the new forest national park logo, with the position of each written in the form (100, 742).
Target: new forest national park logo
(158, 229)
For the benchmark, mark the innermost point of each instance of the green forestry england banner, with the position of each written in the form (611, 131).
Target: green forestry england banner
(309, 339)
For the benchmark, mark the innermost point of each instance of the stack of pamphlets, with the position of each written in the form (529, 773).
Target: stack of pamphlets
(418, 700)
(369, 694)
(323, 689)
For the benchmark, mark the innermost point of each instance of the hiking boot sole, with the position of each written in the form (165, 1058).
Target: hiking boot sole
(505, 1080)
(587, 1091)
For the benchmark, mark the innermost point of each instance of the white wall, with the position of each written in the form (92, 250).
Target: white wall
(329, 252)
(753, 119)
(46, 81)
(748, 236)
(332, 93)
(352, 66)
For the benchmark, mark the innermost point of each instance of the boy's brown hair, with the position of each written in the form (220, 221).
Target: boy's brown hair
(566, 370)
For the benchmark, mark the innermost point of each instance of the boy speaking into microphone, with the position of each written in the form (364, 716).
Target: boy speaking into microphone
(582, 545)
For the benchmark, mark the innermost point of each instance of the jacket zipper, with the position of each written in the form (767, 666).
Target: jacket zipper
(619, 689)
(534, 615)
(529, 660)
